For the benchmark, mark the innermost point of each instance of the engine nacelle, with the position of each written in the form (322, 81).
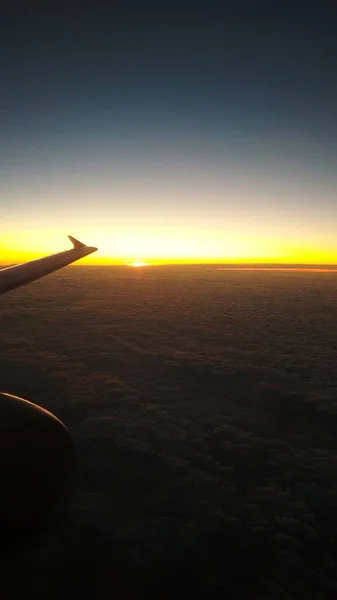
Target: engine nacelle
(36, 456)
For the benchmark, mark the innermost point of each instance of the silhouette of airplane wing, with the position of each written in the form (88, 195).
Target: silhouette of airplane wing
(18, 275)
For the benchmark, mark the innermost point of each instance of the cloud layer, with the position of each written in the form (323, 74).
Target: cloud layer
(203, 409)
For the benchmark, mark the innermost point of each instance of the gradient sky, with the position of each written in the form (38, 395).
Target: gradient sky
(194, 136)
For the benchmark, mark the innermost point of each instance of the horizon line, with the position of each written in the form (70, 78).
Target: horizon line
(219, 266)
(319, 267)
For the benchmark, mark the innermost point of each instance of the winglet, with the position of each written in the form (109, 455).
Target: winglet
(76, 243)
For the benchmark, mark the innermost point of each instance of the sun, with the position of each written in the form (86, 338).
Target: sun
(138, 263)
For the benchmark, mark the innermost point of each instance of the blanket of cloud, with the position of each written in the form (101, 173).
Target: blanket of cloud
(203, 405)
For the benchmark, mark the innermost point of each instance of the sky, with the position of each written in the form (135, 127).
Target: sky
(169, 135)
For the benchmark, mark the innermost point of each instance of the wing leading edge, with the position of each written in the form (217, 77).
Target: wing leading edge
(18, 275)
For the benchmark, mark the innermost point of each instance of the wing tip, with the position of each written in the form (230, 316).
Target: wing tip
(76, 243)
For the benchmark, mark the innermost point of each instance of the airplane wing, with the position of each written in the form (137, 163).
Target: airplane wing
(17, 275)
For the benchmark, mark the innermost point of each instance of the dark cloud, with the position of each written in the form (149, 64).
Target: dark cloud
(203, 409)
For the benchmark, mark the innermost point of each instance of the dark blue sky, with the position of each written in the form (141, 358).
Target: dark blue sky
(207, 116)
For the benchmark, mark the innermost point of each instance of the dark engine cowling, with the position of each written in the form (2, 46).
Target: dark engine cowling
(36, 457)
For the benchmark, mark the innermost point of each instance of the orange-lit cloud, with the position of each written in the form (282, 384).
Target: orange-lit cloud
(296, 269)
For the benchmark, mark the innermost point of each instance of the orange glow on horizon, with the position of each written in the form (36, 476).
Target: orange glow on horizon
(143, 246)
